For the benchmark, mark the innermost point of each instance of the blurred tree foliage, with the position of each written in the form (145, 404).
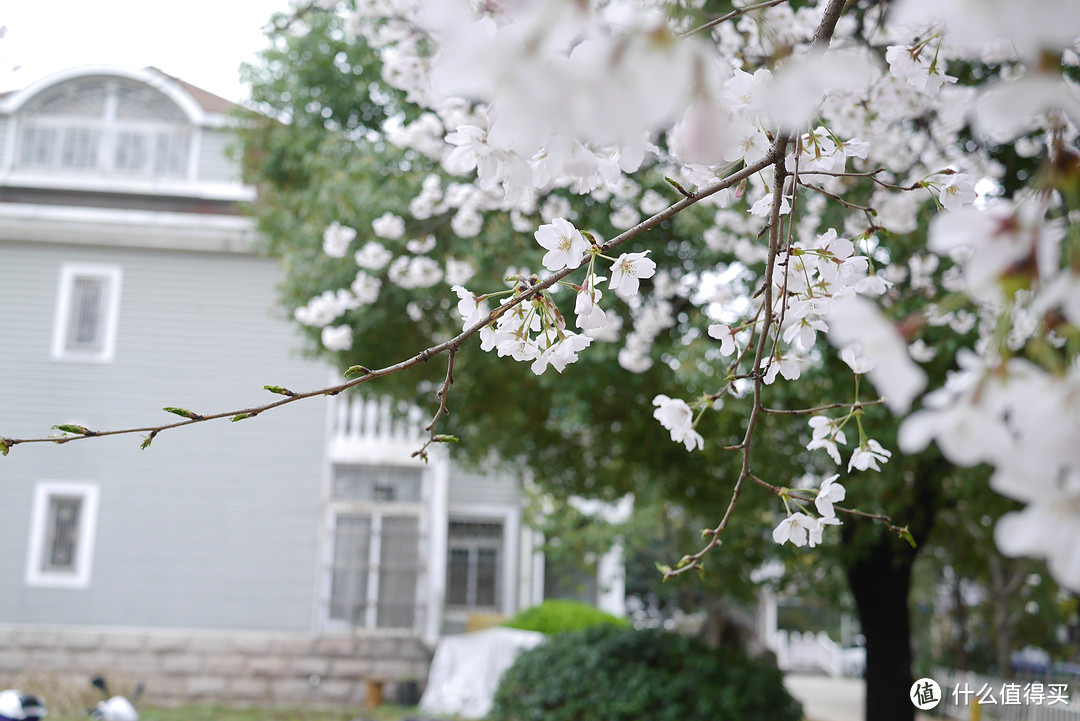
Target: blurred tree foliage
(318, 153)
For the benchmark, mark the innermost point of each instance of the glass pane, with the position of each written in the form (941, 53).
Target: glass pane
(79, 149)
(349, 574)
(171, 158)
(131, 153)
(399, 568)
(475, 530)
(457, 577)
(377, 483)
(487, 574)
(37, 147)
(86, 327)
(61, 544)
(140, 103)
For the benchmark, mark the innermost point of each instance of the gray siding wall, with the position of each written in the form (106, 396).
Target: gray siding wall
(214, 526)
(214, 166)
(468, 488)
(5, 126)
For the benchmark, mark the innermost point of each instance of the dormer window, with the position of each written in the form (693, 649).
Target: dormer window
(110, 128)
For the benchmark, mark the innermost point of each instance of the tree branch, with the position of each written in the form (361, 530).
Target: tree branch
(366, 374)
(731, 15)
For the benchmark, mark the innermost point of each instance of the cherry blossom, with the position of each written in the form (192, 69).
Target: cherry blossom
(676, 416)
(627, 272)
(564, 244)
(336, 239)
(388, 226)
(830, 492)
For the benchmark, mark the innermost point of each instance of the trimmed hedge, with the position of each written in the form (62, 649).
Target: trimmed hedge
(610, 673)
(556, 616)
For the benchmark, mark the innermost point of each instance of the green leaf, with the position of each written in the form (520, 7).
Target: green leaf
(357, 371)
(72, 428)
(280, 391)
(147, 440)
(183, 413)
(675, 184)
(241, 416)
(447, 439)
(4, 446)
(906, 535)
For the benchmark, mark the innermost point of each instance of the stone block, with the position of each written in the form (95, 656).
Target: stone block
(28, 638)
(210, 644)
(228, 664)
(352, 668)
(181, 663)
(331, 646)
(123, 642)
(293, 645)
(275, 666)
(290, 690)
(167, 643)
(50, 660)
(202, 687)
(334, 690)
(162, 689)
(139, 663)
(253, 645)
(310, 665)
(248, 689)
(79, 641)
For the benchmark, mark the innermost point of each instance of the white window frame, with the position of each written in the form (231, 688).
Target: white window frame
(510, 518)
(473, 546)
(44, 491)
(109, 127)
(376, 511)
(68, 273)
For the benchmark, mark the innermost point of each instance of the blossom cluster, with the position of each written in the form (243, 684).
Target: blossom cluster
(527, 105)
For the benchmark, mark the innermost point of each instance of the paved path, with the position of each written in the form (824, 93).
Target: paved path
(831, 699)
(828, 699)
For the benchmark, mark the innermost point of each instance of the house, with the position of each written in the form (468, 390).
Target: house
(288, 558)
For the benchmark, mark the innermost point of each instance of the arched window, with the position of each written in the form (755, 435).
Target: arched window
(106, 127)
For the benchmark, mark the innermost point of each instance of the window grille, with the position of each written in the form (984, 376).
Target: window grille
(375, 555)
(85, 320)
(62, 530)
(62, 534)
(87, 311)
(108, 129)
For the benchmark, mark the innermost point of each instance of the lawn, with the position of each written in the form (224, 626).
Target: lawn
(220, 713)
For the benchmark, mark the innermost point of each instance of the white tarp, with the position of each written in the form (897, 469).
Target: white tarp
(466, 670)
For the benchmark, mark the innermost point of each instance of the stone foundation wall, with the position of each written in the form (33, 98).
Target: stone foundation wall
(206, 667)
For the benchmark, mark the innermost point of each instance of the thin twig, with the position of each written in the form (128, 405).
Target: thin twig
(819, 409)
(880, 518)
(692, 562)
(441, 411)
(731, 15)
(776, 157)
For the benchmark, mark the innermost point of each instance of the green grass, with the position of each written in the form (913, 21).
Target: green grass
(387, 712)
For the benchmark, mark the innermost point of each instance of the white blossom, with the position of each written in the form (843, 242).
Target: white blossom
(336, 239)
(388, 226)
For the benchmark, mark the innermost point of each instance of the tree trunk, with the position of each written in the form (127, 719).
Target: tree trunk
(879, 575)
(960, 619)
(880, 580)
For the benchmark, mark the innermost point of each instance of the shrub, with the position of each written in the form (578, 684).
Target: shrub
(556, 616)
(611, 673)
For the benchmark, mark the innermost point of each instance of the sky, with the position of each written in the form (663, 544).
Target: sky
(200, 41)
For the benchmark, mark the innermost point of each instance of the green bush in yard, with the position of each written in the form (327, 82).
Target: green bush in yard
(556, 616)
(612, 673)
